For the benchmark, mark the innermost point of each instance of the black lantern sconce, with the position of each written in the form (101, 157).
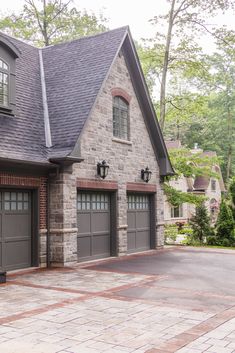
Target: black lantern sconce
(146, 174)
(102, 169)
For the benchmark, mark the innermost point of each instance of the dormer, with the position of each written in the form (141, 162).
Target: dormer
(8, 55)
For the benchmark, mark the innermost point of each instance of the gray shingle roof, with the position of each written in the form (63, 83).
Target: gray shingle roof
(74, 73)
(22, 136)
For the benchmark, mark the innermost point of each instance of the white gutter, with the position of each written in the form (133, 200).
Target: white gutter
(45, 105)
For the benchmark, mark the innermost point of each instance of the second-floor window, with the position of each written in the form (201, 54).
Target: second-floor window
(120, 118)
(4, 84)
(177, 211)
(213, 185)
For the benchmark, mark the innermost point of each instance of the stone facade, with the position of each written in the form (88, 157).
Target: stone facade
(181, 184)
(125, 158)
(212, 202)
(63, 218)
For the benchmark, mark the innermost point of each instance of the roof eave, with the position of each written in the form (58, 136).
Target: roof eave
(146, 105)
(65, 161)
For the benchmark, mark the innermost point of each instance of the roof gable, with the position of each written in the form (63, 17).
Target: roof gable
(74, 73)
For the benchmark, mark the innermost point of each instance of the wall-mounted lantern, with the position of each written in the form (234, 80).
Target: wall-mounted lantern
(102, 169)
(146, 174)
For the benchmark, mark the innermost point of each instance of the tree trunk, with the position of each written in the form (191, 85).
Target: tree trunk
(45, 25)
(165, 67)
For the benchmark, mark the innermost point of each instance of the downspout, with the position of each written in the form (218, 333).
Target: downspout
(48, 143)
(48, 240)
(44, 101)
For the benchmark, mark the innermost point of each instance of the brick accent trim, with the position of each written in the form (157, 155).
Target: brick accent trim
(40, 183)
(97, 184)
(141, 187)
(120, 92)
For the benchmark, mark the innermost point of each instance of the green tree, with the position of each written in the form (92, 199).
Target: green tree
(47, 22)
(225, 224)
(214, 127)
(200, 223)
(232, 196)
(186, 19)
(189, 165)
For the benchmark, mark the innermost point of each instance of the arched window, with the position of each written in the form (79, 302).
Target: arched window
(4, 84)
(120, 118)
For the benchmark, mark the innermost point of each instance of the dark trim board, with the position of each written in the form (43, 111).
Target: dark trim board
(102, 185)
(35, 227)
(141, 188)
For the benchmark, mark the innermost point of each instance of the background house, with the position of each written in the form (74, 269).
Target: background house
(65, 109)
(212, 188)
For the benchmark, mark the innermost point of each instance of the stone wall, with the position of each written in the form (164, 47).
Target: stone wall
(182, 185)
(63, 218)
(125, 158)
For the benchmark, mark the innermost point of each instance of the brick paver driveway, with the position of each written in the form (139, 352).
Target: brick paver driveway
(173, 300)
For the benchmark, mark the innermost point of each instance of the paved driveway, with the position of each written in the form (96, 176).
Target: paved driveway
(175, 300)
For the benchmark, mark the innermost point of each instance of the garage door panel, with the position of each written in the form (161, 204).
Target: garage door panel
(142, 220)
(101, 244)
(84, 223)
(138, 221)
(94, 222)
(131, 220)
(16, 226)
(17, 254)
(84, 247)
(131, 241)
(1, 262)
(100, 222)
(0, 226)
(142, 239)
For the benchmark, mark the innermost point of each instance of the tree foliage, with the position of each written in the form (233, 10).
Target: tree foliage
(232, 196)
(186, 20)
(225, 223)
(189, 165)
(50, 21)
(200, 223)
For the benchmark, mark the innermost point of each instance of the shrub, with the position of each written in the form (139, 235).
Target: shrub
(170, 233)
(200, 224)
(225, 223)
(212, 240)
(186, 230)
(226, 242)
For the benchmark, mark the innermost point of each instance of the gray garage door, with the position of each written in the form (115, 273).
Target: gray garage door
(93, 225)
(138, 220)
(15, 229)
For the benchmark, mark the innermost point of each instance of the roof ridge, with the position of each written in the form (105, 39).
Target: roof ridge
(87, 37)
(17, 39)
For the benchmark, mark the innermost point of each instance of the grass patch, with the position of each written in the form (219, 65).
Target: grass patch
(214, 247)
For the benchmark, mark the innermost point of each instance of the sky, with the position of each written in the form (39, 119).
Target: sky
(134, 13)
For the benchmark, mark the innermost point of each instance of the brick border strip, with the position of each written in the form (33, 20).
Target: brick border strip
(183, 339)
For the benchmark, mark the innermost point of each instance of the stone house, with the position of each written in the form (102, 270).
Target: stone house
(79, 141)
(212, 188)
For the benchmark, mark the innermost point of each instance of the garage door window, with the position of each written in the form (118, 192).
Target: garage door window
(84, 202)
(95, 202)
(138, 202)
(16, 201)
(100, 202)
